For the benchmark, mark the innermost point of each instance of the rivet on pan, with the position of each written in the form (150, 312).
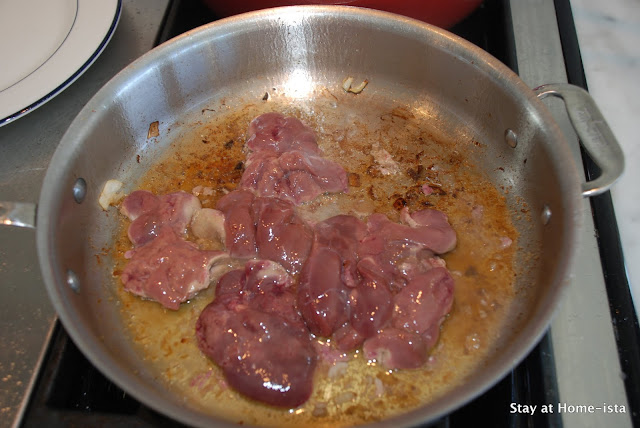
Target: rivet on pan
(546, 215)
(511, 138)
(72, 281)
(79, 190)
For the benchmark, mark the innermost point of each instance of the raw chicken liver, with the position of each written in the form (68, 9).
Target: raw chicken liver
(163, 266)
(329, 273)
(268, 228)
(379, 286)
(148, 212)
(168, 269)
(274, 133)
(253, 331)
(285, 161)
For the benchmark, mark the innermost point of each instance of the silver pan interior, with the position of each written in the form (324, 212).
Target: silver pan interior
(296, 50)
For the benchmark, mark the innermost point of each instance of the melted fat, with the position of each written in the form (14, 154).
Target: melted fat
(360, 391)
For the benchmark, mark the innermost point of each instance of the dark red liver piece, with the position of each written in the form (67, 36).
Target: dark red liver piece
(330, 273)
(261, 355)
(255, 333)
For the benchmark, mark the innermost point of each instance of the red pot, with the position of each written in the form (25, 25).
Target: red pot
(443, 13)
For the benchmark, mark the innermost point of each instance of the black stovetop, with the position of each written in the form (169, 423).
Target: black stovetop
(71, 392)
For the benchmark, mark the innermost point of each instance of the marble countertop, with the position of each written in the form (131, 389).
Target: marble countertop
(609, 37)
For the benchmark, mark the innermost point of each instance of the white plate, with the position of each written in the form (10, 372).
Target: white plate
(45, 45)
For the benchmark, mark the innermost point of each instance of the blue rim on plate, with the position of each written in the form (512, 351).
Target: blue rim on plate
(66, 78)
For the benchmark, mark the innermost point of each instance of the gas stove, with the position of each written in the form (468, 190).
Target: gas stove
(584, 372)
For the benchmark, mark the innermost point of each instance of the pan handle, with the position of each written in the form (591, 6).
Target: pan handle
(594, 134)
(19, 214)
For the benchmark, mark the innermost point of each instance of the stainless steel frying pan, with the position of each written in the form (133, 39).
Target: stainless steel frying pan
(295, 50)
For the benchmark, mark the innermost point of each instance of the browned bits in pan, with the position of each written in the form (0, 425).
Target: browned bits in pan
(413, 193)
(371, 193)
(416, 173)
(398, 112)
(374, 172)
(456, 158)
(354, 179)
(154, 129)
(437, 190)
(399, 203)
